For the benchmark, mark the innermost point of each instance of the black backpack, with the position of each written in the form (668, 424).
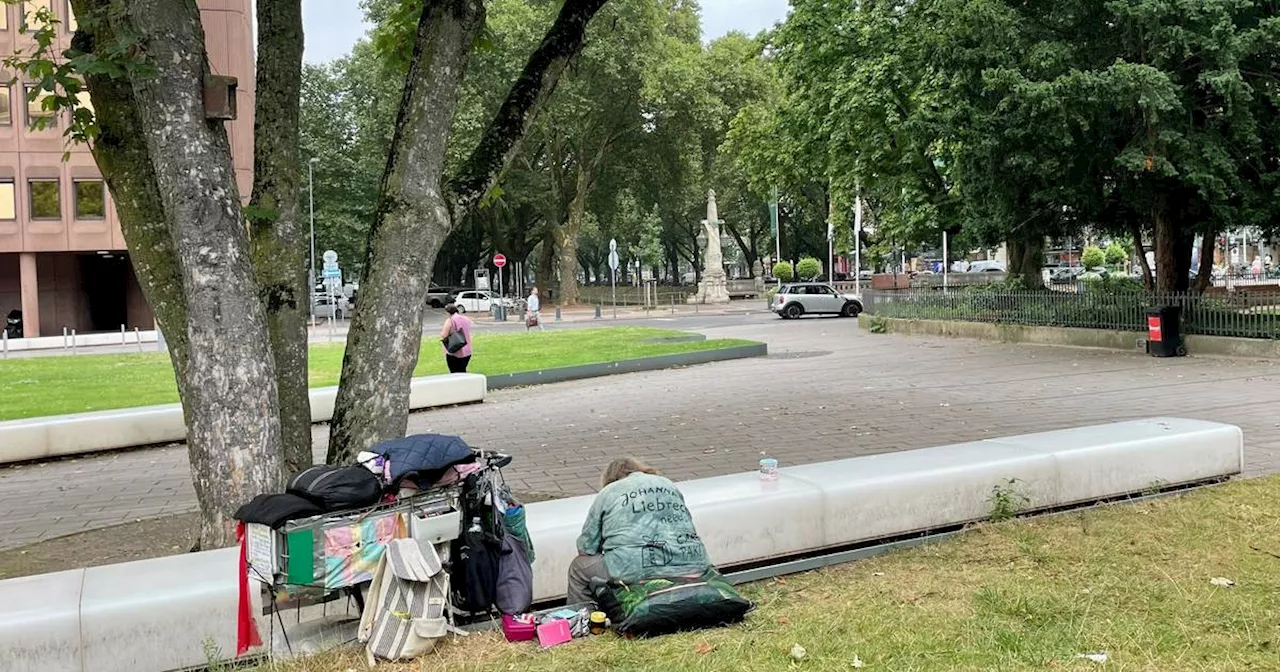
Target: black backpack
(474, 572)
(337, 488)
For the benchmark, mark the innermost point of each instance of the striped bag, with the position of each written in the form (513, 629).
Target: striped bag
(405, 615)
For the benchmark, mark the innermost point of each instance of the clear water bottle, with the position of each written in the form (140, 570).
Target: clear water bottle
(768, 469)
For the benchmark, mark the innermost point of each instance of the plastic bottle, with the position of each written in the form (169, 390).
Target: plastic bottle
(768, 469)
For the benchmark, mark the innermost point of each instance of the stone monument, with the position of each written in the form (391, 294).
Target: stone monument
(714, 286)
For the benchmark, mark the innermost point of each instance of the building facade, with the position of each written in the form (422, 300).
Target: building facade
(63, 261)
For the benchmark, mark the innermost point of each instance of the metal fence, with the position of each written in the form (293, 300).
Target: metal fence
(1239, 315)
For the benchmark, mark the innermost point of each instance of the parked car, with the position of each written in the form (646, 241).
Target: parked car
(479, 301)
(795, 300)
(338, 309)
(986, 267)
(439, 297)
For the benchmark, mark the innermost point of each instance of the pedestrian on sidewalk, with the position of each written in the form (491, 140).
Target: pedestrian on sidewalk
(533, 317)
(457, 351)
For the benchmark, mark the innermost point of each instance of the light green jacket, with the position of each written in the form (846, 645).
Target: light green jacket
(644, 530)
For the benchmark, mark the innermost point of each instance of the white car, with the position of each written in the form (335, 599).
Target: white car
(479, 301)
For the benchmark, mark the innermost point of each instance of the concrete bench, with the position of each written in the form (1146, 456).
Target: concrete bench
(156, 615)
(62, 435)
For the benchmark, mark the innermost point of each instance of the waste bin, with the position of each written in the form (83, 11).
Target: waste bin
(1164, 332)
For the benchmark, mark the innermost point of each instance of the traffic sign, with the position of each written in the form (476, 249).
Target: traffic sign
(330, 257)
(332, 273)
(613, 260)
(613, 244)
(499, 260)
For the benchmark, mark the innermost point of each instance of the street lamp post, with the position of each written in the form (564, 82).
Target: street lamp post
(311, 266)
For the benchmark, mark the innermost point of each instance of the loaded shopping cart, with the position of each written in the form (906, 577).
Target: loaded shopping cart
(316, 558)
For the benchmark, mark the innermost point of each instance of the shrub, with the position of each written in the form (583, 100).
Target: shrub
(1116, 254)
(783, 271)
(878, 325)
(809, 269)
(1093, 257)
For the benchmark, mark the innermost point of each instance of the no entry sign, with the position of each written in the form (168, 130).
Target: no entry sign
(499, 260)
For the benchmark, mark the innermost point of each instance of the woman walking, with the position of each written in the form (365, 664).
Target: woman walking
(456, 338)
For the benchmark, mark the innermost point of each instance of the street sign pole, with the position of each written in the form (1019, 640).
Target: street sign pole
(613, 273)
(773, 224)
(857, 246)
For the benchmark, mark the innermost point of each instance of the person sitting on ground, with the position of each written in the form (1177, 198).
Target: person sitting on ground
(638, 529)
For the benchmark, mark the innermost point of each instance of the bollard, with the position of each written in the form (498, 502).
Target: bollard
(122, 337)
(73, 341)
(64, 338)
(597, 311)
(5, 335)
(673, 304)
(557, 313)
(137, 337)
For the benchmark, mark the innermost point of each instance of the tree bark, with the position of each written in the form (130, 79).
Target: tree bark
(411, 225)
(122, 157)
(278, 239)
(416, 212)
(228, 380)
(1147, 276)
(1026, 259)
(1173, 253)
(1204, 274)
(567, 237)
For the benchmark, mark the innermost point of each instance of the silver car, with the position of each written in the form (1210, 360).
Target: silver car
(813, 298)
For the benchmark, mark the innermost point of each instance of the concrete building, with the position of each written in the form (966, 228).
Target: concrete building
(63, 261)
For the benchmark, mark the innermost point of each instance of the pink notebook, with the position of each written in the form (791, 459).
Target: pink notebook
(554, 633)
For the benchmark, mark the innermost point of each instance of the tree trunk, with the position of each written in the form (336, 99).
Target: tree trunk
(278, 239)
(1026, 259)
(121, 154)
(411, 225)
(229, 392)
(416, 210)
(1204, 274)
(1173, 253)
(1147, 276)
(567, 239)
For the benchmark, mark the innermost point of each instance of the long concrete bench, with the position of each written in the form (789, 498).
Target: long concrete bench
(156, 615)
(62, 435)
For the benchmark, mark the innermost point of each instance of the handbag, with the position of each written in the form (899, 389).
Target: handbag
(455, 341)
(532, 320)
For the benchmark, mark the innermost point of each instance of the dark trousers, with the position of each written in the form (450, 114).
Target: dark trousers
(457, 364)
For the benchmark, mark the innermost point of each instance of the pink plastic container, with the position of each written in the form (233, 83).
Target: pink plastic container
(516, 631)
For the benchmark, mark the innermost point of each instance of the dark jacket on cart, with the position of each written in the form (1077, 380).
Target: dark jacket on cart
(425, 455)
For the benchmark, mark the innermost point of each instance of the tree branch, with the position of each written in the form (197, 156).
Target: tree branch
(501, 141)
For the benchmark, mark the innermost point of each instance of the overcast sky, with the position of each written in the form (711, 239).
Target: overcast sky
(332, 26)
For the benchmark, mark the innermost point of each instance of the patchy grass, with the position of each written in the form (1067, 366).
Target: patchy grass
(40, 386)
(1132, 581)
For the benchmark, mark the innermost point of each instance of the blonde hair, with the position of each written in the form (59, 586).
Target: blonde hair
(624, 467)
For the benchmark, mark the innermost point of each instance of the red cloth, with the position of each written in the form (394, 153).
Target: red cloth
(246, 625)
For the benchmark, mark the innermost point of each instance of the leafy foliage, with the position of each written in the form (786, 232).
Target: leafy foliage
(783, 271)
(809, 269)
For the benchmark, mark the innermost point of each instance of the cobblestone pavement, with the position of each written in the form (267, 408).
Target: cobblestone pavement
(826, 391)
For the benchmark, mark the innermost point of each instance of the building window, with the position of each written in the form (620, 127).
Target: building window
(71, 18)
(45, 201)
(8, 204)
(4, 17)
(83, 100)
(6, 111)
(91, 199)
(36, 110)
(30, 9)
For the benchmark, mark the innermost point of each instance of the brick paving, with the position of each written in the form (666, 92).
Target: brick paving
(827, 391)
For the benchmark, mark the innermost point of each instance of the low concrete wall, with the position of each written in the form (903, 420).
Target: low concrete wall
(156, 615)
(1078, 338)
(62, 435)
(567, 373)
(81, 340)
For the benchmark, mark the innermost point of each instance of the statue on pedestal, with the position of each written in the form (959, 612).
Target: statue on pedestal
(713, 288)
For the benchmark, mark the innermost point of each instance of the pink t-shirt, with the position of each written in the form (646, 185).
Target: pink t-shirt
(460, 323)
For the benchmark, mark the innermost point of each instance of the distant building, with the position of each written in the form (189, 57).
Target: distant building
(62, 258)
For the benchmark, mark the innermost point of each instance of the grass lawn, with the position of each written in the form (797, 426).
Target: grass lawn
(1130, 581)
(39, 386)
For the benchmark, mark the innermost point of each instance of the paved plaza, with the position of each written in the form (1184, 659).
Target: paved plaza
(827, 391)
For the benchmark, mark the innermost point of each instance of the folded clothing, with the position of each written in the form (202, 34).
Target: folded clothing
(276, 510)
